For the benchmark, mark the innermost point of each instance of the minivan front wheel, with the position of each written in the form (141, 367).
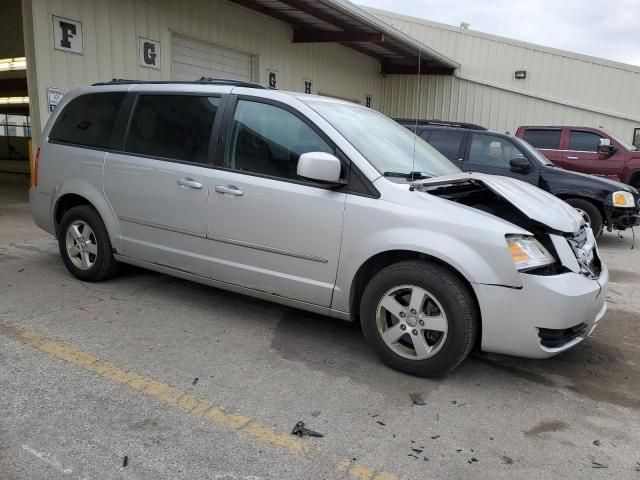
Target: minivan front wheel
(419, 317)
(85, 246)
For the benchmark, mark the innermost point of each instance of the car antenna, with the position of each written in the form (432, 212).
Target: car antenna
(415, 131)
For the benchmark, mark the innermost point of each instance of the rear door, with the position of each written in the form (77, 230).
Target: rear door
(449, 143)
(158, 186)
(582, 155)
(547, 141)
(489, 153)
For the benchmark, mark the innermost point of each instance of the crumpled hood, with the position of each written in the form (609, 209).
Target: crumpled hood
(533, 202)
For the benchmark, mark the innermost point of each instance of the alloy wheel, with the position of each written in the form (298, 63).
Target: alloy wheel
(411, 322)
(81, 244)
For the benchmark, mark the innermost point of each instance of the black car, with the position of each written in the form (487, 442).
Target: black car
(476, 149)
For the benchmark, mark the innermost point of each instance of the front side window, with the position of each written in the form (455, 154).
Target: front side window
(175, 127)
(268, 140)
(492, 151)
(583, 141)
(88, 120)
(447, 142)
(545, 139)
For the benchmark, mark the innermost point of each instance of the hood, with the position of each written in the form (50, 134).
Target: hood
(536, 204)
(613, 185)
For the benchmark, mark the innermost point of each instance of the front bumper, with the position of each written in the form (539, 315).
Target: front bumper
(512, 318)
(623, 218)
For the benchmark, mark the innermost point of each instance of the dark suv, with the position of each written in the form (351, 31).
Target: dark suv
(604, 202)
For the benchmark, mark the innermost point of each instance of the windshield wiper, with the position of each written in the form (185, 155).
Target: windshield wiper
(408, 175)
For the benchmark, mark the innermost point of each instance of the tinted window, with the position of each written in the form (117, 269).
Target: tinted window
(88, 120)
(549, 139)
(172, 126)
(492, 151)
(269, 140)
(584, 141)
(447, 143)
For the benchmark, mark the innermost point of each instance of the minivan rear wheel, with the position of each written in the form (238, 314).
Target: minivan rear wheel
(419, 317)
(85, 246)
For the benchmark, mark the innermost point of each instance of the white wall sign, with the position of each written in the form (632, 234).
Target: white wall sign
(67, 35)
(149, 53)
(272, 78)
(54, 95)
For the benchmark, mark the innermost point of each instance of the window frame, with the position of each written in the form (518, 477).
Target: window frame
(571, 130)
(220, 161)
(111, 147)
(124, 119)
(559, 130)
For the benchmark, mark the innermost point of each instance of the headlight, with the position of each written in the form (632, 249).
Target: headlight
(622, 199)
(528, 253)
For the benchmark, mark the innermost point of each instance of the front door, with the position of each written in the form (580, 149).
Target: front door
(270, 230)
(488, 153)
(582, 155)
(159, 186)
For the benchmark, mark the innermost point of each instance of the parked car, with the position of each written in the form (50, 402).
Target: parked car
(603, 202)
(586, 150)
(319, 204)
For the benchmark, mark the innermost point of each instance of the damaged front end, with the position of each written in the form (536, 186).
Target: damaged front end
(558, 228)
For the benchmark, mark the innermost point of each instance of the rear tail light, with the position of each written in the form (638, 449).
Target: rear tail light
(34, 180)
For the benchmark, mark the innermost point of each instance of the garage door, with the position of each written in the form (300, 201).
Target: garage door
(192, 59)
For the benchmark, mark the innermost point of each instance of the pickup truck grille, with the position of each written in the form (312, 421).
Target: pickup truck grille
(583, 245)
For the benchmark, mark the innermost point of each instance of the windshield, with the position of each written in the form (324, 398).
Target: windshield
(387, 145)
(625, 145)
(533, 152)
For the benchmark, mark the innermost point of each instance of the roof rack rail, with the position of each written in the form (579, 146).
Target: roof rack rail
(200, 81)
(439, 123)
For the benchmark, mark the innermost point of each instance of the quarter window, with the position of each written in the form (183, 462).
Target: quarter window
(447, 143)
(492, 151)
(584, 141)
(172, 126)
(269, 140)
(545, 139)
(88, 120)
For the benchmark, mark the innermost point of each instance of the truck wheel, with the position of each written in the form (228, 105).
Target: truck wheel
(419, 317)
(590, 212)
(85, 246)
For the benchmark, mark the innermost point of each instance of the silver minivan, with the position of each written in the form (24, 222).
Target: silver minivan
(319, 204)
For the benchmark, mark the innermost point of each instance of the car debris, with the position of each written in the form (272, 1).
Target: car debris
(596, 443)
(435, 437)
(125, 461)
(300, 430)
(598, 465)
(416, 399)
(507, 460)
(381, 423)
(195, 380)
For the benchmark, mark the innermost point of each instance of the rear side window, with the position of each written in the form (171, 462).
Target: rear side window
(172, 126)
(549, 139)
(447, 143)
(88, 120)
(584, 141)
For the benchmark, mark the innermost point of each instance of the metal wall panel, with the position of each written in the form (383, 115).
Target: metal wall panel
(575, 80)
(111, 29)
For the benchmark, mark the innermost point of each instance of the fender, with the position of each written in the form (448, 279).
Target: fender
(96, 198)
(485, 262)
(631, 172)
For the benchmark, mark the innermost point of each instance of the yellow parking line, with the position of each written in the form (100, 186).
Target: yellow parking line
(174, 397)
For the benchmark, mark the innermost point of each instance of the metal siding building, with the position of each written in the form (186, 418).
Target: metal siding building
(560, 87)
(465, 75)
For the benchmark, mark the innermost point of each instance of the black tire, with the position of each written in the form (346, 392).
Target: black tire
(104, 265)
(453, 295)
(591, 211)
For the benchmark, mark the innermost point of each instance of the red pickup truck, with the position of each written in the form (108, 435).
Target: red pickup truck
(587, 150)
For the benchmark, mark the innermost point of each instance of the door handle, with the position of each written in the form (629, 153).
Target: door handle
(190, 182)
(572, 158)
(230, 189)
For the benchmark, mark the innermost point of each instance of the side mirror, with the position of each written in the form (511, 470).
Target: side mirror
(520, 165)
(605, 148)
(320, 167)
